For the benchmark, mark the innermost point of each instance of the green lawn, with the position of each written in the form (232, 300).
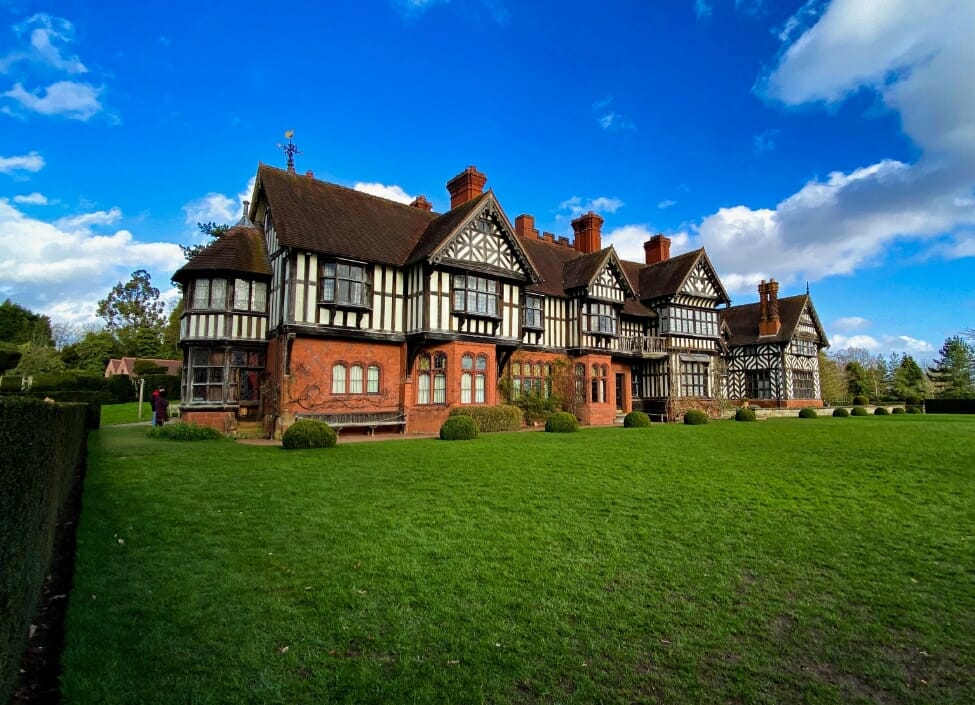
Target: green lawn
(125, 413)
(786, 561)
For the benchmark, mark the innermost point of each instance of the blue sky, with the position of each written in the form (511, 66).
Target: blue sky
(823, 142)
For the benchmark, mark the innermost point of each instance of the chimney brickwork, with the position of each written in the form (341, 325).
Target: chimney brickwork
(525, 225)
(588, 230)
(656, 249)
(466, 186)
(768, 302)
(422, 203)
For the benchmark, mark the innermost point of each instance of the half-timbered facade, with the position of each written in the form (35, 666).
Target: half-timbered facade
(331, 303)
(773, 350)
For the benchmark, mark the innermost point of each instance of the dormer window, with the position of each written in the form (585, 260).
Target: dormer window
(250, 296)
(209, 294)
(475, 296)
(344, 284)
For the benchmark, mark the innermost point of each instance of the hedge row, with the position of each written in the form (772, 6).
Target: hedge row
(42, 446)
(505, 417)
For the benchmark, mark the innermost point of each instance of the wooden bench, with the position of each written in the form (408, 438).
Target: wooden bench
(367, 420)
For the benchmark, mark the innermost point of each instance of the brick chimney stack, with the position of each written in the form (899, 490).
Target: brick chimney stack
(422, 203)
(657, 249)
(466, 186)
(588, 229)
(525, 226)
(768, 298)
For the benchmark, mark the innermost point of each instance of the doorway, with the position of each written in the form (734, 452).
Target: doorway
(620, 386)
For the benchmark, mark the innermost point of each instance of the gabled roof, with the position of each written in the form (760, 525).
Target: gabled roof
(583, 270)
(549, 259)
(668, 277)
(240, 250)
(743, 321)
(315, 215)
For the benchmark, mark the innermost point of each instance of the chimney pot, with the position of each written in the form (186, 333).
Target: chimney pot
(588, 230)
(466, 186)
(422, 203)
(247, 208)
(656, 249)
(525, 225)
(769, 323)
(564, 241)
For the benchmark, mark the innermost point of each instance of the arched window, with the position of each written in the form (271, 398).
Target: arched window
(355, 379)
(338, 379)
(580, 383)
(480, 379)
(431, 380)
(466, 378)
(372, 379)
(599, 384)
(440, 378)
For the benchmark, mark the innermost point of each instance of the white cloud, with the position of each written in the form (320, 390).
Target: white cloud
(392, 192)
(919, 59)
(864, 342)
(615, 122)
(218, 208)
(666, 203)
(628, 241)
(64, 267)
(851, 323)
(76, 101)
(47, 37)
(883, 345)
(25, 162)
(32, 199)
(576, 206)
(702, 8)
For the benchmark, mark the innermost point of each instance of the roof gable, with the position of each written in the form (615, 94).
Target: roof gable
(797, 316)
(599, 273)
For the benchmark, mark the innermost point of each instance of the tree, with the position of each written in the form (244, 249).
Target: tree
(832, 380)
(92, 352)
(951, 374)
(38, 360)
(134, 313)
(170, 347)
(909, 379)
(857, 379)
(19, 325)
(211, 230)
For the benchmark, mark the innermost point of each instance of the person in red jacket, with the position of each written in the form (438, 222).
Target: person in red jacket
(162, 407)
(152, 404)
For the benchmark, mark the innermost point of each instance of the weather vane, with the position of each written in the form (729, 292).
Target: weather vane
(291, 149)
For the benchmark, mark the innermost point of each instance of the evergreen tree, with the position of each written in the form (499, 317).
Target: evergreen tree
(211, 230)
(909, 379)
(857, 379)
(18, 325)
(951, 374)
(134, 313)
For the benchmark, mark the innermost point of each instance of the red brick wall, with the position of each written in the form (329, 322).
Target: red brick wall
(223, 421)
(787, 404)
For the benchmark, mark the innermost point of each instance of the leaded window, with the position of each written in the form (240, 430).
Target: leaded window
(431, 385)
(250, 296)
(475, 296)
(339, 372)
(532, 312)
(758, 384)
(688, 321)
(801, 346)
(803, 385)
(529, 377)
(600, 318)
(244, 384)
(355, 378)
(598, 383)
(580, 382)
(207, 375)
(344, 284)
(694, 378)
(209, 294)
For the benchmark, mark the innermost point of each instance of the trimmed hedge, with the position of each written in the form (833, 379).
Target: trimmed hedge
(459, 428)
(858, 411)
(949, 406)
(636, 419)
(898, 410)
(43, 444)
(120, 388)
(561, 422)
(695, 417)
(914, 401)
(182, 431)
(744, 414)
(915, 410)
(308, 433)
(860, 400)
(505, 417)
(881, 411)
(170, 382)
(840, 413)
(807, 412)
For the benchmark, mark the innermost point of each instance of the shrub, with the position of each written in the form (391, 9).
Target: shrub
(858, 411)
(860, 400)
(535, 406)
(562, 422)
(9, 356)
(170, 382)
(881, 411)
(308, 433)
(506, 417)
(915, 410)
(695, 417)
(743, 414)
(840, 413)
(636, 419)
(148, 367)
(808, 412)
(182, 431)
(914, 401)
(120, 389)
(898, 410)
(458, 428)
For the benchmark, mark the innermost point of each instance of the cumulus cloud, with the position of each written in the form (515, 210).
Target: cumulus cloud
(70, 99)
(919, 60)
(218, 208)
(47, 40)
(885, 344)
(628, 241)
(851, 323)
(616, 122)
(576, 206)
(392, 192)
(32, 199)
(666, 203)
(54, 267)
(25, 162)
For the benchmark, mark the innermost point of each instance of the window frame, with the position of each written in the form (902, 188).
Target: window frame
(533, 312)
(368, 383)
(254, 303)
(461, 285)
(695, 379)
(337, 279)
(804, 376)
(758, 384)
(599, 312)
(196, 305)
(431, 379)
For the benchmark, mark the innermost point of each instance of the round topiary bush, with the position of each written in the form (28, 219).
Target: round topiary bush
(840, 413)
(744, 414)
(860, 400)
(808, 412)
(562, 422)
(636, 419)
(881, 411)
(458, 428)
(914, 410)
(858, 411)
(695, 417)
(898, 410)
(308, 433)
